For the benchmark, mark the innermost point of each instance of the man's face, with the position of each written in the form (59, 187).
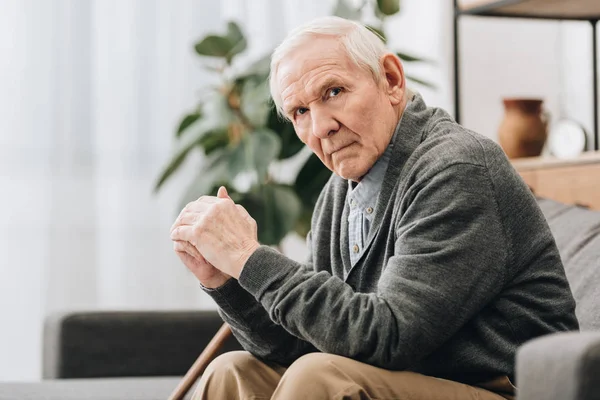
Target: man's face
(336, 107)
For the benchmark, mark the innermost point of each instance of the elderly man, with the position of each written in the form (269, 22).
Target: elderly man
(430, 262)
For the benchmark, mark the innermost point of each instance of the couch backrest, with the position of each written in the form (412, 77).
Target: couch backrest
(577, 234)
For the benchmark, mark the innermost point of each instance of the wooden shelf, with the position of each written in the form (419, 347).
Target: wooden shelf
(575, 181)
(547, 162)
(547, 9)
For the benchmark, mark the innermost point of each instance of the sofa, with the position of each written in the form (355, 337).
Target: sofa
(566, 366)
(123, 355)
(142, 355)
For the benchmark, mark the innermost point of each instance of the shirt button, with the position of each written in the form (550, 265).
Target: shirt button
(352, 203)
(369, 210)
(355, 248)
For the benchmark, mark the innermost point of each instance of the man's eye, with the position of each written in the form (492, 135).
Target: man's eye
(301, 110)
(335, 91)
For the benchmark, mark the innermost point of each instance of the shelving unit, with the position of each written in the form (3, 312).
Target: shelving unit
(575, 10)
(568, 181)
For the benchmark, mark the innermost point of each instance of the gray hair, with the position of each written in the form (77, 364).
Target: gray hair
(364, 48)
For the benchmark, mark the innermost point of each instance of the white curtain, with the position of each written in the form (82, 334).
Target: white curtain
(90, 94)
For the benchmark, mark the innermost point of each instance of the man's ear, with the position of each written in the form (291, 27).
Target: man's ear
(395, 83)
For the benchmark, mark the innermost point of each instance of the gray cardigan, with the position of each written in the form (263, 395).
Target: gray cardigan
(460, 267)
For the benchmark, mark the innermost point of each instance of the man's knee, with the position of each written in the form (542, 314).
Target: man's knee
(221, 377)
(317, 371)
(329, 376)
(230, 363)
(314, 364)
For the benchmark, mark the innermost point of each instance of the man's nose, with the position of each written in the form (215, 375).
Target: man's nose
(323, 124)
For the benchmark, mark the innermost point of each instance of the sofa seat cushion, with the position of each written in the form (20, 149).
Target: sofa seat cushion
(577, 234)
(92, 389)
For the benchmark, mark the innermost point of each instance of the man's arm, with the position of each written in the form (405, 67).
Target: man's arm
(253, 327)
(449, 261)
(249, 321)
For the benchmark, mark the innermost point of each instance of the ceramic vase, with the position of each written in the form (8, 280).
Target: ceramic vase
(524, 129)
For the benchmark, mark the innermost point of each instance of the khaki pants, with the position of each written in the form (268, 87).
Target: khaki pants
(239, 375)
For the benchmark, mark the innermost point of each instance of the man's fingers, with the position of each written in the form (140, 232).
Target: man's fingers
(184, 233)
(187, 247)
(222, 193)
(200, 206)
(187, 218)
(191, 249)
(202, 203)
(194, 251)
(243, 211)
(178, 245)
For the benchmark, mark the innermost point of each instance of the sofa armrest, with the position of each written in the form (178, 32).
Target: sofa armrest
(563, 366)
(125, 343)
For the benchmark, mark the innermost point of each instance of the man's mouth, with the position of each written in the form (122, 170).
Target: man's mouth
(340, 148)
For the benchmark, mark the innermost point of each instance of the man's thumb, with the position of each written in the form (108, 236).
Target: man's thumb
(222, 193)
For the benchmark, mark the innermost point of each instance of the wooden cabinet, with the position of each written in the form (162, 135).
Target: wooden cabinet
(568, 181)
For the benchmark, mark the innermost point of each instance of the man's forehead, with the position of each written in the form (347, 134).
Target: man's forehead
(310, 56)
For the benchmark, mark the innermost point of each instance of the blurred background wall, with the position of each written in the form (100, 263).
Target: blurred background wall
(91, 92)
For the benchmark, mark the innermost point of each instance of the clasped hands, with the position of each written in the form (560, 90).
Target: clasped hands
(214, 237)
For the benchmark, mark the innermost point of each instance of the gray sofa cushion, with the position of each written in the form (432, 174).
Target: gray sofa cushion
(577, 234)
(562, 366)
(127, 343)
(96, 389)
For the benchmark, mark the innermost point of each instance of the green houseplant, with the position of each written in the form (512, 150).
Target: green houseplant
(237, 128)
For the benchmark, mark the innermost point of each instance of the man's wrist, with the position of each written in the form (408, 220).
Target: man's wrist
(216, 282)
(244, 258)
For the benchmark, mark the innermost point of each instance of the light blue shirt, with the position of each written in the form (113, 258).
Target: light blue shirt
(362, 200)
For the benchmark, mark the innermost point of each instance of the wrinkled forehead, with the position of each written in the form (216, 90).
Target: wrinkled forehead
(298, 66)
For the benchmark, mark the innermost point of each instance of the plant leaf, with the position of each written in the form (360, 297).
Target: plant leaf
(259, 68)
(275, 209)
(234, 33)
(343, 10)
(412, 58)
(421, 82)
(186, 122)
(255, 152)
(380, 33)
(239, 158)
(205, 181)
(171, 167)
(214, 46)
(266, 146)
(388, 7)
(216, 116)
(223, 46)
(217, 111)
(254, 101)
(290, 143)
(185, 145)
(215, 140)
(236, 39)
